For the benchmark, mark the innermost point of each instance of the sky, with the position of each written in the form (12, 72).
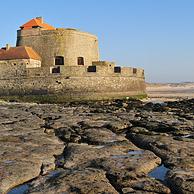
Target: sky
(157, 35)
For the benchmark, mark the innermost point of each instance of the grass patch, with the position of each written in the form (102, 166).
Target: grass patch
(42, 99)
(136, 97)
(60, 98)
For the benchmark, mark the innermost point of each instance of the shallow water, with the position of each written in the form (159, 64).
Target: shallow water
(133, 153)
(188, 137)
(99, 146)
(191, 136)
(136, 152)
(22, 189)
(159, 173)
(54, 173)
(8, 161)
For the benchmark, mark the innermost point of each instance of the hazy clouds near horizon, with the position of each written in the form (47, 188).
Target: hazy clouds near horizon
(155, 35)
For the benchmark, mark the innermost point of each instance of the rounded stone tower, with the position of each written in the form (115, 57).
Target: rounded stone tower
(58, 46)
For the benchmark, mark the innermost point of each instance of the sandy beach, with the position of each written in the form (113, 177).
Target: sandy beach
(171, 91)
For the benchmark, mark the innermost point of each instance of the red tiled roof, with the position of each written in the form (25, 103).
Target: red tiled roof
(36, 22)
(20, 52)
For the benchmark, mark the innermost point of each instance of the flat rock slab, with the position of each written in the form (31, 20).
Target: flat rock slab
(181, 181)
(102, 136)
(89, 181)
(175, 153)
(25, 150)
(81, 155)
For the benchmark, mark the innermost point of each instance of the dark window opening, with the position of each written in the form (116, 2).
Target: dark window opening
(56, 70)
(117, 69)
(35, 26)
(59, 60)
(91, 69)
(134, 70)
(80, 61)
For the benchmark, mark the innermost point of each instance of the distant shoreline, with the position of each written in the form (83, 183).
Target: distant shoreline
(170, 91)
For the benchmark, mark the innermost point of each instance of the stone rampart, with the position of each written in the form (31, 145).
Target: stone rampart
(73, 88)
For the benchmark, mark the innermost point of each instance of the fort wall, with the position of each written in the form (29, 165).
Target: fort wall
(12, 68)
(18, 67)
(69, 67)
(84, 71)
(72, 88)
(68, 43)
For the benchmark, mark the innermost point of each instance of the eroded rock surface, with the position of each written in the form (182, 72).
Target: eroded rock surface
(25, 150)
(97, 147)
(74, 181)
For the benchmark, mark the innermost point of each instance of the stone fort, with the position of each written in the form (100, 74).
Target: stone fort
(63, 61)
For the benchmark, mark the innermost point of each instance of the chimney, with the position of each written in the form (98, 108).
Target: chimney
(7, 47)
(41, 19)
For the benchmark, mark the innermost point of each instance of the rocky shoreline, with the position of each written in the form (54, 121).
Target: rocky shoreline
(107, 147)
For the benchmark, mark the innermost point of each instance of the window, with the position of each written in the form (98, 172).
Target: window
(134, 70)
(117, 69)
(80, 61)
(56, 70)
(91, 69)
(59, 60)
(35, 26)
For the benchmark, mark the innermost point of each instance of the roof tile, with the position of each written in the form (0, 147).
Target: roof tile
(20, 52)
(36, 22)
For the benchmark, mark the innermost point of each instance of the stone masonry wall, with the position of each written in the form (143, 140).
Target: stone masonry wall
(33, 63)
(74, 87)
(12, 68)
(101, 71)
(68, 43)
(40, 71)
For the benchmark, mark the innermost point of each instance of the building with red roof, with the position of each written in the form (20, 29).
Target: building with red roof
(15, 61)
(37, 22)
(20, 52)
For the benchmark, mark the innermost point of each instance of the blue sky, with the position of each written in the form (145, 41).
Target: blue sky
(157, 35)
